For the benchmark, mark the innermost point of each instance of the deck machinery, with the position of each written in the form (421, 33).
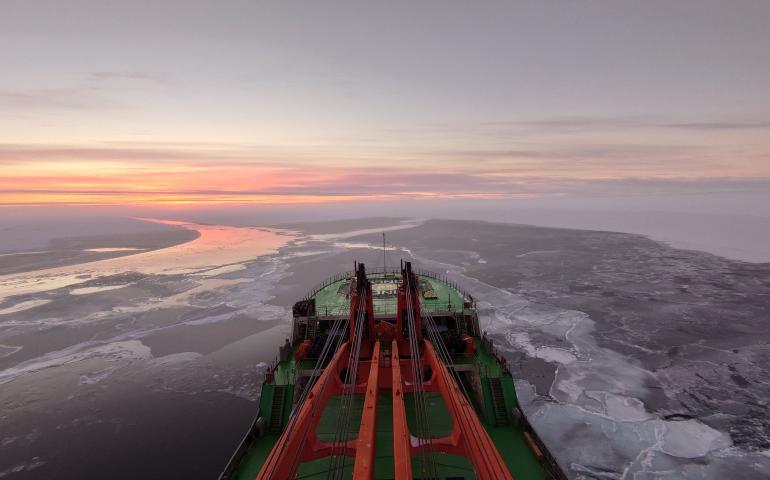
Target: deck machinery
(388, 376)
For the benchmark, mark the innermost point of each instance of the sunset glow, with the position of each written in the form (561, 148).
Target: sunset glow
(244, 104)
(190, 176)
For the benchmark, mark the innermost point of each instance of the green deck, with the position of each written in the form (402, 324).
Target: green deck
(498, 398)
(508, 439)
(332, 299)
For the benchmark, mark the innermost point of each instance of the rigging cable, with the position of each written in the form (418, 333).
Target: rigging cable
(438, 342)
(326, 350)
(424, 433)
(346, 403)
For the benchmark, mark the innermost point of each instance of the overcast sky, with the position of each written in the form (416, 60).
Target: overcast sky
(248, 101)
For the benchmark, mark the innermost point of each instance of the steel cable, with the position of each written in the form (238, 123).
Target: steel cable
(439, 344)
(326, 350)
(316, 406)
(346, 403)
(424, 431)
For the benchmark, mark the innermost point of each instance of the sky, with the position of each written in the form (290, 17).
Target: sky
(189, 102)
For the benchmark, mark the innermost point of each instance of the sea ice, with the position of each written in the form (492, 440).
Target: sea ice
(116, 351)
(25, 305)
(691, 439)
(105, 288)
(599, 427)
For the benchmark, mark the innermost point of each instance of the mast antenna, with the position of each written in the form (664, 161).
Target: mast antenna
(384, 255)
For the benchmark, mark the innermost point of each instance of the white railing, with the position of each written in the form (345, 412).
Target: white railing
(383, 271)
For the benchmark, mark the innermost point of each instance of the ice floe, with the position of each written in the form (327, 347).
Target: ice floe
(92, 378)
(8, 350)
(112, 249)
(175, 358)
(105, 288)
(117, 351)
(25, 305)
(404, 224)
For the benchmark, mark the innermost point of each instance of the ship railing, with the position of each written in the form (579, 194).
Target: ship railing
(484, 370)
(326, 283)
(462, 359)
(391, 309)
(388, 271)
(425, 273)
(271, 367)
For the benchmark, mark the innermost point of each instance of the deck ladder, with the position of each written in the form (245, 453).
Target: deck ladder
(498, 400)
(276, 410)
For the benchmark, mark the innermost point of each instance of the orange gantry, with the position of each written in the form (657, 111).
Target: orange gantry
(364, 464)
(299, 442)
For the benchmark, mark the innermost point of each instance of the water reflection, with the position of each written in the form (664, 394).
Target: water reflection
(217, 247)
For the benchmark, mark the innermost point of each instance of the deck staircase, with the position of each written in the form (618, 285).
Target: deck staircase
(498, 401)
(275, 425)
(311, 328)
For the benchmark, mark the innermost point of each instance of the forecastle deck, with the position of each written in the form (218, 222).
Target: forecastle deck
(483, 375)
